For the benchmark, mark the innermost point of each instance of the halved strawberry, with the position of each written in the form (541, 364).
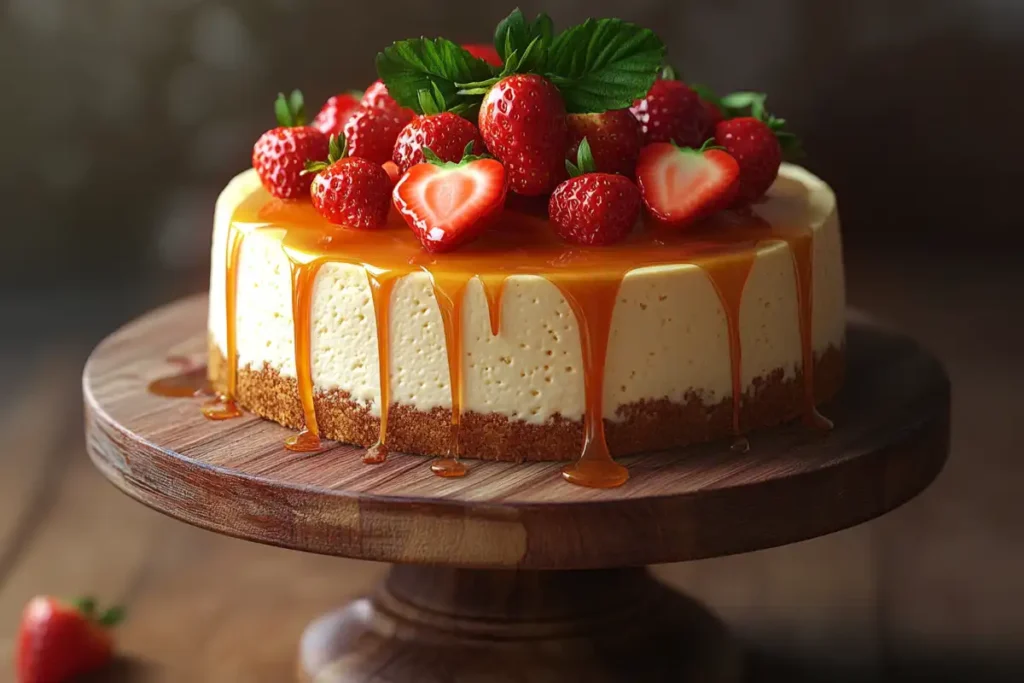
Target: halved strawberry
(679, 185)
(447, 204)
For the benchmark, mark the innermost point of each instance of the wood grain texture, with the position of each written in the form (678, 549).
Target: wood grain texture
(236, 478)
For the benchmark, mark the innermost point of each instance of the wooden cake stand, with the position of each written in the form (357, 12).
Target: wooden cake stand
(510, 574)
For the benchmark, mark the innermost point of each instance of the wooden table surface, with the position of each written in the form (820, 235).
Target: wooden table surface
(934, 588)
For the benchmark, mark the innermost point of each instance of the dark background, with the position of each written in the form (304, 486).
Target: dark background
(121, 120)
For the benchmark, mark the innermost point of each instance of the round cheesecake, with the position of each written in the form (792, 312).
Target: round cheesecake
(662, 341)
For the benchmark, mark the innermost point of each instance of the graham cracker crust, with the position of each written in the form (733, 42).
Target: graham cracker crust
(647, 425)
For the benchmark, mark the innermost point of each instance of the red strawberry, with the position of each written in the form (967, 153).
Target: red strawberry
(371, 132)
(335, 112)
(57, 641)
(447, 204)
(615, 139)
(672, 112)
(445, 134)
(522, 120)
(593, 208)
(484, 52)
(756, 148)
(679, 185)
(350, 191)
(391, 168)
(280, 155)
(714, 112)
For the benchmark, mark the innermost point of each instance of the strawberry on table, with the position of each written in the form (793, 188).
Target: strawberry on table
(58, 641)
(445, 133)
(350, 191)
(593, 208)
(757, 151)
(335, 113)
(522, 120)
(614, 136)
(280, 155)
(372, 131)
(679, 185)
(672, 112)
(447, 204)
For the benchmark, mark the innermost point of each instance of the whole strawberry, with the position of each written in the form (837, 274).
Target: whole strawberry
(614, 136)
(372, 131)
(335, 113)
(446, 134)
(59, 641)
(350, 191)
(756, 148)
(593, 208)
(522, 121)
(672, 112)
(280, 155)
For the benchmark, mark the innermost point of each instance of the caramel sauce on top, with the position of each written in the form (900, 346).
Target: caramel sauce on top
(520, 242)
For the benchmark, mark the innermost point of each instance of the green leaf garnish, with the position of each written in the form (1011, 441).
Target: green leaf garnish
(290, 111)
(584, 161)
(604, 64)
(515, 35)
(433, 65)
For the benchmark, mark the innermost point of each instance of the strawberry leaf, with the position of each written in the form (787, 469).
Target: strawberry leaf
(290, 111)
(604, 64)
(514, 35)
(584, 161)
(434, 65)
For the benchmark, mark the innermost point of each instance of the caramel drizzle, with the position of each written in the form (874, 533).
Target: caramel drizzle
(382, 283)
(223, 406)
(592, 302)
(303, 281)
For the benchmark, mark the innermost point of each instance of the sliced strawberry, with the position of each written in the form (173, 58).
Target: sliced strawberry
(335, 113)
(280, 155)
(679, 185)
(58, 641)
(448, 204)
(446, 134)
(484, 52)
(615, 139)
(350, 191)
(372, 131)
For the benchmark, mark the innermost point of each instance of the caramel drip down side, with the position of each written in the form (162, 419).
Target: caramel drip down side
(303, 281)
(223, 407)
(729, 278)
(382, 283)
(494, 289)
(450, 291)
(593, 304)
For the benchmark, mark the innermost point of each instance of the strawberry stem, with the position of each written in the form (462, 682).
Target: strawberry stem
(111, 617)
(86, 606)
(584, 161)
(290, 111)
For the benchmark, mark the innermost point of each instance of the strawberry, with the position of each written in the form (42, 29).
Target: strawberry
(280, 155)
(522, 120)
(447, 204)
(58, 641)
(757, 151)
(446, 134)
(391, 168)
(484, 52)
(672, 112)
(593, 208)
(614, 136)
(371, 132)
(335, 112)
(350, 191)
(679, 185)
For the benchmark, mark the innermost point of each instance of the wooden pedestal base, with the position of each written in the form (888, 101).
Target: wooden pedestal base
(427, 624)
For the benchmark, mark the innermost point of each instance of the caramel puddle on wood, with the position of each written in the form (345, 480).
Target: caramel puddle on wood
(223, 407)
(521, 243)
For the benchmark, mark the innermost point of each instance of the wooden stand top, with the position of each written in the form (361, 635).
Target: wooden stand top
(235, 477)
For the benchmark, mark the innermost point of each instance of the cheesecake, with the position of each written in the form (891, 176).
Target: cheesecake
(520, 347)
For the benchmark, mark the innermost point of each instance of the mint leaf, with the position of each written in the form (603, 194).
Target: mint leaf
(604, 64)
(514, 35)
(434, 65)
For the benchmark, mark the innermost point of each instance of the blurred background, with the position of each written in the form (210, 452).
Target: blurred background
(122, 120)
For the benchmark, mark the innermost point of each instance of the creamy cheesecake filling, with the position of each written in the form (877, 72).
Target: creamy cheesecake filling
(670, 335)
